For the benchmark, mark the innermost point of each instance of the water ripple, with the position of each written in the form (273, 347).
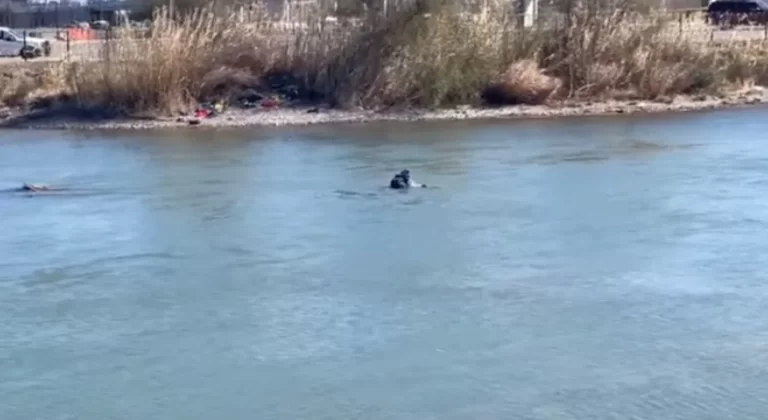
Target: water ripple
(585, 269)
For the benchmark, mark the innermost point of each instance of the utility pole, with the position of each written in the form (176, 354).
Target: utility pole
(531, 11)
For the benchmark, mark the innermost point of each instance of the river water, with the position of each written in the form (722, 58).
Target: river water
(555, 269)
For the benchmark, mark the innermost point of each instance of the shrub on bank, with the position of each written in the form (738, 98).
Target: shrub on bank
(423, 54)
(522, 83)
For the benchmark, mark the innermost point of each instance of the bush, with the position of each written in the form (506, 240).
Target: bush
(421, 54)
(522, 83)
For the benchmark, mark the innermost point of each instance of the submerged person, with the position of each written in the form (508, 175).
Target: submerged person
(403, 180)
(34, 188)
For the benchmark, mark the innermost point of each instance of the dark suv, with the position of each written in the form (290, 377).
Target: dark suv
(737, 12)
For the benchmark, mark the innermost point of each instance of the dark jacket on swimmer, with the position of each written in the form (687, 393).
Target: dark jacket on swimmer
(398, 182)
(403, 180)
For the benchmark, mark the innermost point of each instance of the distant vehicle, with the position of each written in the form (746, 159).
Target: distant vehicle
(100, 24)
(737, 12)
(79, 25)
(13, 44)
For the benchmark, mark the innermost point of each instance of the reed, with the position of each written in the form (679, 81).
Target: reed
(422, 54)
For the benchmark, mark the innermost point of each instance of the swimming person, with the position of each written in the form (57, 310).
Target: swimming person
(398, 182)
(403, 180)
(34, 188)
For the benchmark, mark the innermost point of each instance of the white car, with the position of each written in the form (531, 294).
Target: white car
(13, 44)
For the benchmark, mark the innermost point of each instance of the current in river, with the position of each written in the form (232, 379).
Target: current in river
(555, 269)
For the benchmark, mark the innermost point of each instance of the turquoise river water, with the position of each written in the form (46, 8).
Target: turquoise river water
(596, 268)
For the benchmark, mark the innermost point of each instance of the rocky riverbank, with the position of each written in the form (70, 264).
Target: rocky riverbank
(415, 64)
(292, 115)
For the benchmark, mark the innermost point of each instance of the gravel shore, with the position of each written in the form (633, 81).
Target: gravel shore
(292, 116)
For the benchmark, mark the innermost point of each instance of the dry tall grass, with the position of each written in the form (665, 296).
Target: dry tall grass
(423, 54)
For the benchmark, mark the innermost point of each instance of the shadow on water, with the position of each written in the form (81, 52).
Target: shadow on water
(93, 269)
(380, 191)
(60, 192)
(345, 194)
(606, 151)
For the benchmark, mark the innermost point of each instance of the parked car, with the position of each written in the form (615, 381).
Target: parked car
(14, 44)
(737, 12)
(100, 25)
(79, 25)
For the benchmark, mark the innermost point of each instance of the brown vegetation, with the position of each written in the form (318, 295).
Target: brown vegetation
(522, 83)
(420, 55)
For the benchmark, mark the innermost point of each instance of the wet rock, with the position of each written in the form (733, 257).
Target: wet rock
(194, 122)
(313, 110)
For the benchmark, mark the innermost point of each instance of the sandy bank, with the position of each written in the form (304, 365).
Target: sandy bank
(302, 115)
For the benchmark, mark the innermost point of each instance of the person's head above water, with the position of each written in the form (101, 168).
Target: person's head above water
(403, 180)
